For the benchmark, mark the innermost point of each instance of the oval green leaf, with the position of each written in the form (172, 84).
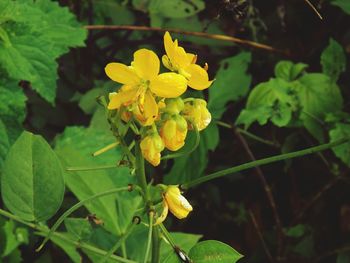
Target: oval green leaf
(32, 185)
(212, 251)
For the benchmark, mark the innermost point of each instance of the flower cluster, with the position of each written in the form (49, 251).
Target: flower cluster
(152, 99)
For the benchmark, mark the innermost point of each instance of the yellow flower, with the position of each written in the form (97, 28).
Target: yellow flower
(173, 132)
(197, 113)
(151, 147)
(176, 59)
(141, 81)
(174, 201)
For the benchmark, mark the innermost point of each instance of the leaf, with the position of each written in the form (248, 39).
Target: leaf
(80, 228)
(12, 109)
(341, 130)
(343, 257)
(74, 147)
(34, 40)
(182, 170)
(231, 83)
(11, 237)
(104, 13)
(32, 184)
(343, 4)
(184, 241)
(212, 251)
(270, 100)
(4, 143)
(176, 8)
(317, 95)
(289, 71)
(333, 60)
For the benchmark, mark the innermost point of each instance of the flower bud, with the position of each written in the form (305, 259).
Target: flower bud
(197, 113)
(151, 147)
(173, 132)
(174, 106)
(177, 203)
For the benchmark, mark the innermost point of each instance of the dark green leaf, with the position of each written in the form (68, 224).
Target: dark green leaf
(289, 71)
(80, 228)
(212, 251)
(333, 60)
(341, 130)
(343, 4)
(176, 8)
(32, 184)
(232, 83)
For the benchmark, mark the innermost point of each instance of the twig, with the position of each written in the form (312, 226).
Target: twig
(268, 193)
(197, 34)
(256, 226)
(314, 9)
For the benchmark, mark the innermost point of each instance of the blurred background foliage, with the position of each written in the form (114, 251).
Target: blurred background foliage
(263, 102)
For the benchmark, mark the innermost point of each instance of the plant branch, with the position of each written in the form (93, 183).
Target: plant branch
(190, 33)
(264, 161)
(44, 232)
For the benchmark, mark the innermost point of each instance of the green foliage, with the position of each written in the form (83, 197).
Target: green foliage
(80, 228)
(342, 151)
(34, 189)
(212, 251)
(231, 83)
(333, 60)
(11, 236)
(33, 35)
(289, 71)
(343, 4)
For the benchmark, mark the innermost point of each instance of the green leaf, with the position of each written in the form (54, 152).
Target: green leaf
(232, 83)
(343, 257)
(341, 130)
(296, 231)
(289, 71)
(4, 143)
(80, 228)
(36, 33)
(333, 60)
(104, 13)
(11, 237)
(12, 109)
(32, 184)
(343, 4)
(317, 95)
(212, 251)
(176, 8)
(182, 240)
(182, 169)
(75, 147)
(269, 100)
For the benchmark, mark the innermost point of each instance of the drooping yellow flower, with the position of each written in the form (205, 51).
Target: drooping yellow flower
(174, 201)
(176, 59)
(151, 147)
(141, 81)
(197, 113)
(178, 204)
(173, 132)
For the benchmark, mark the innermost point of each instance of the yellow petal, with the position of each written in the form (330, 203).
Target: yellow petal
(169, 46)
(169, 85)
(176, 54)
(167, 63)
(116, 99)
(150, 109)
(121, 73)
(146, 64)
(178, 204)
(199, 79)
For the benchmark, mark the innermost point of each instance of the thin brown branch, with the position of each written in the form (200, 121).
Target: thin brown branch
(262, 240)
(268, 192)
(197, 34)
(314, 9)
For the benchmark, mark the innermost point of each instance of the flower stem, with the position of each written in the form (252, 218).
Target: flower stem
(264, 161)
(44, 232)
(155, 245)
(149, 239)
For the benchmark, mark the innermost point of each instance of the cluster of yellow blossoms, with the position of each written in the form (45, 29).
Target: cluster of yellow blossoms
(153, 99)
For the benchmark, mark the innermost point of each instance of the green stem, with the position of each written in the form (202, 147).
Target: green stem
(84, 168)
(140, 174)
(155, 245)
(120, 241)
(75, 207)
(44, 232)
(167, 235)
(149, 239)
(106, 149)
(248, 134)
(264, 161)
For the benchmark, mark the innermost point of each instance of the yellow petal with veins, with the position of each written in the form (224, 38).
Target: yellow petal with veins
(169, 46)
(178, 204)
(150, 109)
(116, 99)
(146, 64)
(169, 85)
(121, 73)
(199, 79)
